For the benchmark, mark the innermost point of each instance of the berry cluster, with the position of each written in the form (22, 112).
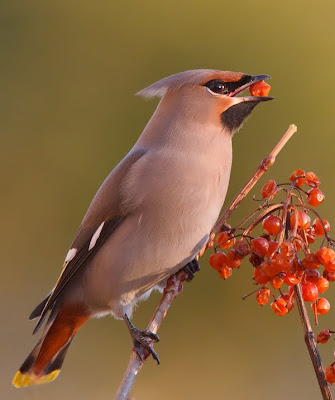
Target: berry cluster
(286, 253)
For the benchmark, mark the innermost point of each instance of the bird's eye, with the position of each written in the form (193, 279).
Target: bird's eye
(217, 87)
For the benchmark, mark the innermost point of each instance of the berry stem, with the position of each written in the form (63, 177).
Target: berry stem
(311, 345)
(285, 213)
(306, 247)
(252, 214)
(249, 294)
(297, 196)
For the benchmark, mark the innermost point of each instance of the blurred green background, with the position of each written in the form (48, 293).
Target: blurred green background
(68, 71)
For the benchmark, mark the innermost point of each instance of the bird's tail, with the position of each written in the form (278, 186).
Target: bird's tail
(44, 362)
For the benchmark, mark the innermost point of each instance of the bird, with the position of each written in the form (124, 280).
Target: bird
(151, 216)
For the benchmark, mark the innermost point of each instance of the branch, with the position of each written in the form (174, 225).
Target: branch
(175, 282)
(173, 288)
(311, 345)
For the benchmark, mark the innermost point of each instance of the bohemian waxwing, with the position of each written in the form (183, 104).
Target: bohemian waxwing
(151, 216)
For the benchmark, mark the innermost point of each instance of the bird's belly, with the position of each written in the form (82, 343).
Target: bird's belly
(165, 233)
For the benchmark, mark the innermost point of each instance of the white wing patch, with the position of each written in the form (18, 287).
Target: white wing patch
(95, 237)
(70, 255)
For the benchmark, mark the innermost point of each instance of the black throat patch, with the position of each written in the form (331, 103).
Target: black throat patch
(233, 118)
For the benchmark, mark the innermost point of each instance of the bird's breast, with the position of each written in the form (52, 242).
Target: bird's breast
(184, 190)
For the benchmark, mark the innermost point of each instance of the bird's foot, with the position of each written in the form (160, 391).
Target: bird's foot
(142, 341)
(191, 268)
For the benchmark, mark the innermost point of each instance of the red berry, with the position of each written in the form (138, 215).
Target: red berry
(272, 225)
(323, 284)
(324, 336)
(289, 300)
(291, 291)
(260, 276)
(309, 291)
(241, 249)
(273, 266)
(287, 250)
(259, 246)
(330, 374)
(225, 272)
(277, 282)
(330, 267)
(262, 296)
(259, 88)
(300, 218)
(321, 306)
(298, 268)
(269, 188)
(329, 275)
(312, 180)
(269, 268)
(312, 276)
(311, 261)
(298, 177)
(281, 264)
(325, 255)
(218, 260)
(318, 228)
(255, 260)
(273, 245)
(315, 197)
(291, 280)
(233, 260)
(310, 235)
(279, 306)
(224, 240)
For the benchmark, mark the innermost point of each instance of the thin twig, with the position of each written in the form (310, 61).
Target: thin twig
(175, 282)
(285, 209)
(173, 288)
(311, 345)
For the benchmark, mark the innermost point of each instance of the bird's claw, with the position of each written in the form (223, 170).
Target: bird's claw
(148, 334)
(191, 268)
(143, 345)
(143, 341)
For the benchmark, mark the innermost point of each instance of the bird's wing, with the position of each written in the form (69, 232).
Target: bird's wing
(104, 215)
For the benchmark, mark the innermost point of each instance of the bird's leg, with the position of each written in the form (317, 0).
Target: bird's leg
(191, 268)
(142, 340)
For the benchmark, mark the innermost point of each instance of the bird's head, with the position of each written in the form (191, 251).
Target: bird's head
(208, 96)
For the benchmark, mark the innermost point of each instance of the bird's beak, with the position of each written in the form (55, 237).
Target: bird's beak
(248, 80)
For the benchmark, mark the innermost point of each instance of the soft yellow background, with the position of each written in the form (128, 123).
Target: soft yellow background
(68, 73)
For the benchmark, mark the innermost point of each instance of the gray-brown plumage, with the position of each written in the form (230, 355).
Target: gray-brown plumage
(153, 213)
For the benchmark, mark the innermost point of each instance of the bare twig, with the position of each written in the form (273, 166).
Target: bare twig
(311, 345)
(175, 282)
(173, 288)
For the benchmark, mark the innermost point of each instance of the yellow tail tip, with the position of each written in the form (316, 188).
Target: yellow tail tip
(21, 380)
